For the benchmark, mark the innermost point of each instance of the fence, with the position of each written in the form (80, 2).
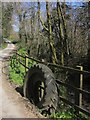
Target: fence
(23, 60)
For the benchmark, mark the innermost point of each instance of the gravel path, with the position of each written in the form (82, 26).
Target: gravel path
(11, 103)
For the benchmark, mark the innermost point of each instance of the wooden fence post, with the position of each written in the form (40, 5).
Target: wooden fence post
(77, 82)
(81, 86)
(26, 63)
(16, 57)
(11, 61)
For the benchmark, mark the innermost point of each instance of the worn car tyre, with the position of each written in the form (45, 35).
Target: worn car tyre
(40, 87)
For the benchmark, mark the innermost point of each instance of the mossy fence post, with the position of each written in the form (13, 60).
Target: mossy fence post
(26, 63)
(79, 84)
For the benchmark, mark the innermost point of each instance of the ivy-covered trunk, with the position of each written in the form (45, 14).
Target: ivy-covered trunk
(53, 56)
(62, 34)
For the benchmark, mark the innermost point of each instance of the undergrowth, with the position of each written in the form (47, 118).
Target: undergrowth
(16, 70)
(69, 114)
(17, 73)
(4, 45)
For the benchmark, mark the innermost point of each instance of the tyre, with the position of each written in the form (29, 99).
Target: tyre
(40, 88)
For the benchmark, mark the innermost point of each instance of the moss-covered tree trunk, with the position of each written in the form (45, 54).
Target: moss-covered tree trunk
(38, 46)
(63, 35)
(53, 56)
(89, 35)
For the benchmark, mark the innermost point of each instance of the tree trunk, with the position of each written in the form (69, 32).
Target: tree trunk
(60, 34)
(25, 31)
(20, 27)
(53, 56)
(89, 35)
(38, 46)
(63, 35)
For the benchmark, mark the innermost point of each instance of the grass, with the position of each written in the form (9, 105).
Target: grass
(63, 115)
(16, 70)
(4, 45)
(17, 73)
(69, 114)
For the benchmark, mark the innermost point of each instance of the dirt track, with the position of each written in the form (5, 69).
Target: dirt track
(12, 105)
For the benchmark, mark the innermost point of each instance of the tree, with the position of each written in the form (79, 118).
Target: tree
(62, 33)
(0, 23)
(53, 56)
(89, 35)
(7, 10)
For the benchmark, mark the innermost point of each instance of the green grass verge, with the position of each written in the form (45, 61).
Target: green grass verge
(17, 74)
(16, 70)
(4, 45)
(69, 114)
